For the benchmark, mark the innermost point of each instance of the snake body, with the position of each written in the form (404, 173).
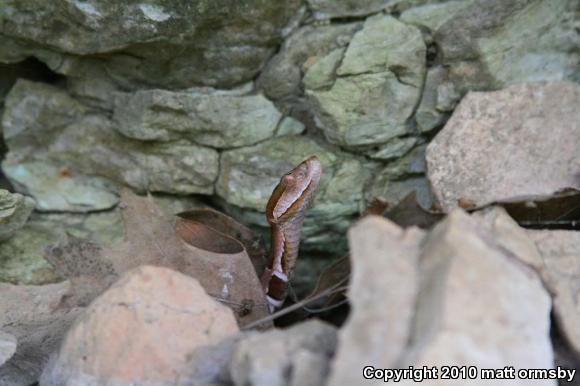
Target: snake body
(285, 213)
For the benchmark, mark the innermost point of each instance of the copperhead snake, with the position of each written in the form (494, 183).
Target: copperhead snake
(285, 213)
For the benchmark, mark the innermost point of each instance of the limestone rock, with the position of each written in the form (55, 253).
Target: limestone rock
(438, 99)
(383, 289)
(248, 176)
(503, 43)
(155, 44)
(433, 16)
(282, 76)
(219, 119)
(56, 190)
(489, 149)
(376, 86)
(140, 330)
(395, 148)
(285, 357)
(14, 211)
(327, 9)
(64, 135)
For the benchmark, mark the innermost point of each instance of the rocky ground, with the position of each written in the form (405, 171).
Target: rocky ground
(461, 116)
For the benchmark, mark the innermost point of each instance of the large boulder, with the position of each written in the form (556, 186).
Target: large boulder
(141, 330)
(489, 149)
(453, 297)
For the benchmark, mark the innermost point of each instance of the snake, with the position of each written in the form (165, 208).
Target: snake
(285, 213)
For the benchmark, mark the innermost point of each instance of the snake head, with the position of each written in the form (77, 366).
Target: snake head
(295, 191)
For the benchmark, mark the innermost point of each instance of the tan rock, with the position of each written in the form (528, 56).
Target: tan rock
(560, 251)
(140, 331)
(456, 297)
(383, 288)
(489, 150)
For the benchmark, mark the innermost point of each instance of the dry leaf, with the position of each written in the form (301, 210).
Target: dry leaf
(220, 263)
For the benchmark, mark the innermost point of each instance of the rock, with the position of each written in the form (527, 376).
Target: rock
(439, 98)
(327, 9)
(208, 117)
(394, 190)
(289, 126)
(282, 76)
(285, 357)
(461, 298)
(21, 256)
(14, 211)
(433, 16)
(155, 45)
(54, 189)
(248, 176)
(488, 150)
(322, 73)
(395, 148)
(470, 307)
(560, 251)
(141, 330)
(7, 347)
(504, 43)
(383, 288)
(36, 317)
(385, 61)
(555, 255)
(63, 134)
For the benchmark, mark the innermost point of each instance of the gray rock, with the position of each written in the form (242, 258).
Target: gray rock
(394, 190)
(284, 357)
(282, 76)
(208, 117)
(56, 190)
(322, 73)
(290, 126)
(377, 85)
(156, 44)
(503, 43)
(437, 100)
(248, 176)
(63, 134)
(433, 16)
(327, 9)
(14, 212)
(7, 346)
(395, 148)
(489, 149)
(383, 288)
